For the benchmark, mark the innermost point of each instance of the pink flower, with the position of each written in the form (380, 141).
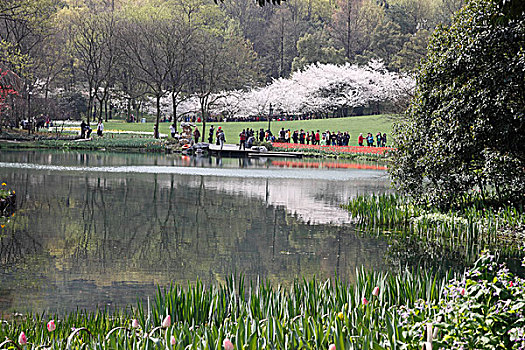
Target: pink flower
(135, 323)
(172, 340)
(22, 339)
(51, 326)
(228, 345)
(463, 291)
(331, 347)
(166, 322)
(375, 292)
(365, 301)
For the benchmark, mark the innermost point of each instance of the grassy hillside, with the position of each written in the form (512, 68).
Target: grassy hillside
(355, 125)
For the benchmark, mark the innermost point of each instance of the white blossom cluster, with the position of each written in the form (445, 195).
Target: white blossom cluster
(318, 88)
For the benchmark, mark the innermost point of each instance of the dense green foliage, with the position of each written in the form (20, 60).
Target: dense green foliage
(465, 128)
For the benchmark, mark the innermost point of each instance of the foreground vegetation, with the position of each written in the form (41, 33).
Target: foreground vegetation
(378, 311)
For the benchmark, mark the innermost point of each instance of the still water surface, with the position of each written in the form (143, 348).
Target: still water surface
(104, 229)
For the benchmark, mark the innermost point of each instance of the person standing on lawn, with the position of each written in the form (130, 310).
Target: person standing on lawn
(360, 139)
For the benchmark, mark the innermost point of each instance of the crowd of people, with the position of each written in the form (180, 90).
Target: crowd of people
(247, 137)
(325, 138)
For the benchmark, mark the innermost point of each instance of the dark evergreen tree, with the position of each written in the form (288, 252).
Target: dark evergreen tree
(465, 128)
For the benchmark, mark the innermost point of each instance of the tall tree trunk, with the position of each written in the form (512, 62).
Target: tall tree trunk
(203, 119)
(281, 64)
(90, 109)
(348, 28)
(30, 122)
(106, 107)
(101, 103)
(174, 100)
(157, 133)
(46, 100)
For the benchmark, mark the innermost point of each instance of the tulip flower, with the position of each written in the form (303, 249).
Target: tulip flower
(365, 301)
(227, 344)
(166, 322)
(375, 292)
(135, 323)
(51, 326)
(22, 339)
(511, 284)
(172, 340)
(331, 347)
(341, 316)
(463, 291)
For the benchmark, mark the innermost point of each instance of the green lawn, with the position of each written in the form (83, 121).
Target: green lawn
(355, 125)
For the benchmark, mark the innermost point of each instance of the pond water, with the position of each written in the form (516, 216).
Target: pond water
(104, 229)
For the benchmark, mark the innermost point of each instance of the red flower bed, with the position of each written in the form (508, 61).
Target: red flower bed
(299, 164)
(333, 149)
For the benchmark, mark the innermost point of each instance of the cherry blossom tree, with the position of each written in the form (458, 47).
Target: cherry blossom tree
(321, 88)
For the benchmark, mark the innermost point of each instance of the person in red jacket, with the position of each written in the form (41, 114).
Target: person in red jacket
(242, 139)
(360, 139)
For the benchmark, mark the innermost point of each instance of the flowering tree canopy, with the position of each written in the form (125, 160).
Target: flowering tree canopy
(318, 88)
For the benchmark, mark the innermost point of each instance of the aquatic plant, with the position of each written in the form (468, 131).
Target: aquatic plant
(482, 308)
(310, 314)
(464, 231)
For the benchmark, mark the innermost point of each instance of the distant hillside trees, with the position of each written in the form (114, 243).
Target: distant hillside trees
(124, 52)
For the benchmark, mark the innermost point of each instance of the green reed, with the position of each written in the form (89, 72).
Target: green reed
(468, 229)
(309, 314)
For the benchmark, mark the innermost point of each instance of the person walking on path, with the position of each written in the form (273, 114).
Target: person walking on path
(220, 138)
(210, 135)
(196, 134)
(100, 128)
(83, 129)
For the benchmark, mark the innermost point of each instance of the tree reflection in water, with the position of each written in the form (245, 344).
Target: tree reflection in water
(86, 240)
